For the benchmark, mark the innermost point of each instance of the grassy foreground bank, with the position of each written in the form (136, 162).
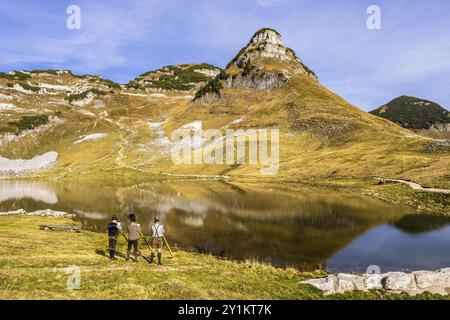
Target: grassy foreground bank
(32, 264)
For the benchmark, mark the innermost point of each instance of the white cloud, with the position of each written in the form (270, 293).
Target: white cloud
(105, 30)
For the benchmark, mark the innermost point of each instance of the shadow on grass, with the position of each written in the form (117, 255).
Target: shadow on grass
(105, 254)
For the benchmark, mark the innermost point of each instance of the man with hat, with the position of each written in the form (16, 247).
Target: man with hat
(114, 228)
(134, 234)
(158, 240)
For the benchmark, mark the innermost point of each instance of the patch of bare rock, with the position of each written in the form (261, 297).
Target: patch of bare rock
(42, 213)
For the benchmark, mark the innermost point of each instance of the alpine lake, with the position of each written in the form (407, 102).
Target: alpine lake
(308, 228)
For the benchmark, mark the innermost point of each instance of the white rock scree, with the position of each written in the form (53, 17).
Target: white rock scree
(18, 166)
(42, 213)
(91, 137)
(437, 282)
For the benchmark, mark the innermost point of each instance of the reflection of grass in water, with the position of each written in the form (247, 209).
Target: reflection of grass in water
(422, 223)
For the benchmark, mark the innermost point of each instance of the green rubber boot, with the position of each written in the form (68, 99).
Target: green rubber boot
(159, 259)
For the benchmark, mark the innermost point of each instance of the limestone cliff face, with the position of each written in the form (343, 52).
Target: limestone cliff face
(441, 127)
(259, 80)
(265, 63)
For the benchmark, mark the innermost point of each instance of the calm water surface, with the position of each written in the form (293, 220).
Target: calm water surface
(305, 228)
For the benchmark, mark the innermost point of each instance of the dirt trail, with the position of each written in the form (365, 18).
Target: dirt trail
(416, 186)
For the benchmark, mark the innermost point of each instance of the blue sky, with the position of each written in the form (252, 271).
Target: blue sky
(121, 39)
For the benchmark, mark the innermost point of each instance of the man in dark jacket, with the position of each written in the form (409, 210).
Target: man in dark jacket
(134, 234)
(114, 228)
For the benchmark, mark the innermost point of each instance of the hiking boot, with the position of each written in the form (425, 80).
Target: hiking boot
(135, 257)
(111, 254)
(159, 259)
(152, 258)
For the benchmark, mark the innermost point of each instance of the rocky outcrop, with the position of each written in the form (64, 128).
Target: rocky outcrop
(265, 63)
(212, 72)
(418, 282)
(208, 98)
(441, 127)
(259, 80)
(266, 43)
(31, 133)
(438, 146)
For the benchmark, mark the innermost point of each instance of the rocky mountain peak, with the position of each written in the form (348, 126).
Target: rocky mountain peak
(265, 63)
(267, 43)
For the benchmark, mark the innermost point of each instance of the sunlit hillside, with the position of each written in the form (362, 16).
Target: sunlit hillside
(98, 127)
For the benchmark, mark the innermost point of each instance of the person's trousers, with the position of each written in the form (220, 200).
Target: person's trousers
(112, 243)
(134, 244)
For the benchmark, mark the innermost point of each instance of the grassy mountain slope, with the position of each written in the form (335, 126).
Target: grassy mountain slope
(322, 135)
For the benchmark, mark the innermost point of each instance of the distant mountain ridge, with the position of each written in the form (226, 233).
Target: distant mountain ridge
(413, 113)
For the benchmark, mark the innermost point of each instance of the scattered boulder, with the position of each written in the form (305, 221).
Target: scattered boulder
(427, 279)
(47, 227)
(349, 282)
(372, 281)
(418, 282)
(327, 285)
(445, 276)
(397, 281)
